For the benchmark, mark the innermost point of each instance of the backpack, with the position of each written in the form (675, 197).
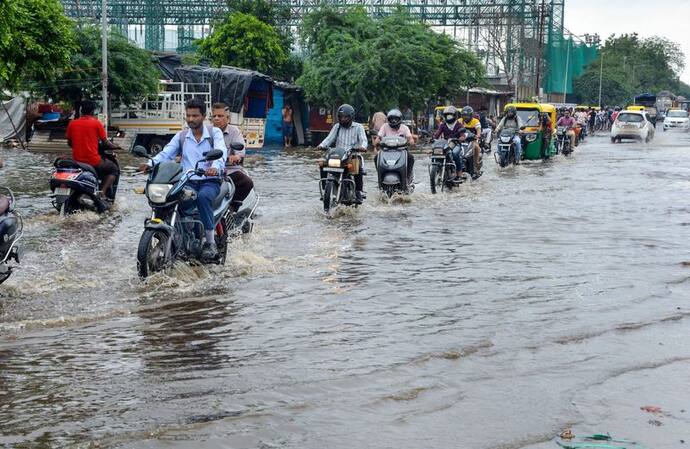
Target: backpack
(185, 132)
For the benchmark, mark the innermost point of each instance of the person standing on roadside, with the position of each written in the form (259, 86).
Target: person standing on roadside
(287, 125)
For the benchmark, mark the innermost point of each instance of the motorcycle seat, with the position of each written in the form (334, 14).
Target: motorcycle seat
(69, 163)
(224, 191)
(4, 204)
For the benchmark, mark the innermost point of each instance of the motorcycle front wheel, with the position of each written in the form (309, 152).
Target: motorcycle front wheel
(151, 257)
(433, 175)
(328, 200)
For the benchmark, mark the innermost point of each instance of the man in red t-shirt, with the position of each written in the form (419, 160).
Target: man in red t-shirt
(84, 135)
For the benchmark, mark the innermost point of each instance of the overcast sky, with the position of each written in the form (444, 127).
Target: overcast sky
(668, 18)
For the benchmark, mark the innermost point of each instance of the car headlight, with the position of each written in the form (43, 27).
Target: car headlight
(158, 193)
(335, 163)
(531, 137)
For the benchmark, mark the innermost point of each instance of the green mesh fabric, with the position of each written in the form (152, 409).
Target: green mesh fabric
(562, 53)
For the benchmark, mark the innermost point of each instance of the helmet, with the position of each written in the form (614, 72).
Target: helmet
(450, 114)
(345, 114)
(467, 113)
(394, 118)
(511, 111)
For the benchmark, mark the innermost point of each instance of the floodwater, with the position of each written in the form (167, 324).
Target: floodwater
(539, 298)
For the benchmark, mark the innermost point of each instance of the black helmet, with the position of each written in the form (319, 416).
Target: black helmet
(467, 113)
(394, 118)
(511, 111)
(450, 114)
(345, 114)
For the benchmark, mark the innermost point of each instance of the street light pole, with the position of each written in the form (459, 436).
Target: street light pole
(601, 75)
(567, 68)
(104, 57)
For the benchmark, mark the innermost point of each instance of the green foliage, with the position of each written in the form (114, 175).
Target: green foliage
(35, 40)
(131, 74)
(242, 40)
(376, 64)
(271, 13)
(632, 65)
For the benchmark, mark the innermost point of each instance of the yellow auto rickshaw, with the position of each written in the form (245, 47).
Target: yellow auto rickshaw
(537, 142)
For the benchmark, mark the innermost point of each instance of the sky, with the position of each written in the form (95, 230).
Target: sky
(668, 18)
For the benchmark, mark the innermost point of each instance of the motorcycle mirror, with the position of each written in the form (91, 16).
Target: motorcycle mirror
(237, 147)
(213, 155)
(140, 151)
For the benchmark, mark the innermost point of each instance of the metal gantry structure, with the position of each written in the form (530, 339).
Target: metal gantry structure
(509, 35)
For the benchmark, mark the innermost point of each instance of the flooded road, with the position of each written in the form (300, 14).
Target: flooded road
(538, 298)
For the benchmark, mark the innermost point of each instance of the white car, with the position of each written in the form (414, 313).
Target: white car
(632, 125)
(677, 119)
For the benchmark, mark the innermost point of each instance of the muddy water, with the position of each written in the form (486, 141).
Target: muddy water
(538, 298)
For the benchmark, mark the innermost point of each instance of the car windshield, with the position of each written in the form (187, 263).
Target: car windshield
(529, 117)
(630, 118)
(677, 114)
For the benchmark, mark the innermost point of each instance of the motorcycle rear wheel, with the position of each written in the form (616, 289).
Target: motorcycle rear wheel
(222, 243)
(151, 257)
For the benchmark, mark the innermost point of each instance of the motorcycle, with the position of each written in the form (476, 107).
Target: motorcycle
(11, 231)
(442, 170)
(506, 151)
(172, 234)
(391, 167)
(563, 141)
(75, 186)
(337, 184)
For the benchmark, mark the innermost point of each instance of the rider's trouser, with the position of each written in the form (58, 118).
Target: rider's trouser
(207, 190)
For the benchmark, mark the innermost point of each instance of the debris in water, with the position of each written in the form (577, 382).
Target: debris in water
(596, 441)
(652, 409)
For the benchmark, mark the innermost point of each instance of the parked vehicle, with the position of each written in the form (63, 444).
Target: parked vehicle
(75, 186)
(392, 167)
(632, 125)
(337, 184)
(11, 231)
(677, 119)
(172, 234)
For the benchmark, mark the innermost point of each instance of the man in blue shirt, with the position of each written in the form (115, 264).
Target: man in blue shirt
(191, 145)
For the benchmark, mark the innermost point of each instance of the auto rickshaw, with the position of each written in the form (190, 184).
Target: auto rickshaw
(536, 143)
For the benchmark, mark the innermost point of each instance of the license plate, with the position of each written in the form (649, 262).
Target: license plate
(63, 191)
(333, 170)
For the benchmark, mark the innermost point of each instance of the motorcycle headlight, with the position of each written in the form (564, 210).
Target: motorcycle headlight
(531, 137)
(506, 139)
(158, 193)
(334, 163)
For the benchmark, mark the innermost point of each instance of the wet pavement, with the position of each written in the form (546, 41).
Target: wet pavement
(542, 297)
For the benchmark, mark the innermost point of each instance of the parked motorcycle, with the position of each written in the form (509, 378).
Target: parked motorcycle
(337, 184)
(11, 231)
(506, 151)
(75, 186)
(391, 167)
(563, 143)
(173, 234)
(442, 170)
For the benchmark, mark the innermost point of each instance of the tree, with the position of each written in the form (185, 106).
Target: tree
(131, 74)
(36, 40)
(357, 59)
(242, 40)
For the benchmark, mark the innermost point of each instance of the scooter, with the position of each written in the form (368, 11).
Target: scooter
(11, 231)
(174, 234)
(391, 166)
(75, 186)
(337, 171)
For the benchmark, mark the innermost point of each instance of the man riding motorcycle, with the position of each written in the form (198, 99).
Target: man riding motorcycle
(513, 123)
(568, 122)
(471, 123)
(84, 136)
(394, 127)
(191, 145)
(348, 134)
(233, 169)
(451, 128)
